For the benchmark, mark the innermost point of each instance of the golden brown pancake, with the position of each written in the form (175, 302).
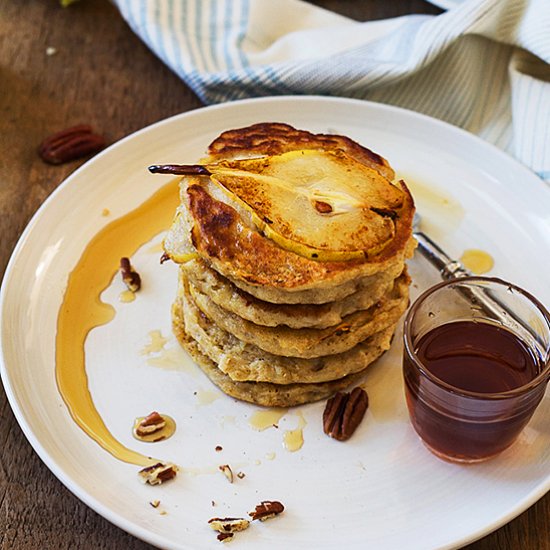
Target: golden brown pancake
(246, 362)
(266, 394)
(231, 298)
(223, 233)
(312, 342)
(273, 138)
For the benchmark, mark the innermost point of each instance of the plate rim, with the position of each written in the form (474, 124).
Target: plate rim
(96, 505)
(446, 4)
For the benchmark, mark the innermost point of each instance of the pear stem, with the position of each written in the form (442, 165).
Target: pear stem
(180, 169)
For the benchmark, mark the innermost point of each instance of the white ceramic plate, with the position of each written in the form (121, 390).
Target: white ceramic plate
(446, 4)
(382, 489)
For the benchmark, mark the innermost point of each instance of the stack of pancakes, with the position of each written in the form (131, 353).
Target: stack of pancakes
(292, 250)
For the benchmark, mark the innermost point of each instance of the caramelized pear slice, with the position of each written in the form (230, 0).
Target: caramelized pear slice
(318, 204)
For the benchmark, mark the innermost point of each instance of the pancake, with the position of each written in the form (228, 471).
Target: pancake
(226, 295)
(266, 394)
(311, 342)
(246, 362)
(276, 138)
(225, 215)
(224, 238)
(326, 294)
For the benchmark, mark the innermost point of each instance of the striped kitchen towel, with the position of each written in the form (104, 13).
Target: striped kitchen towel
(483, 65)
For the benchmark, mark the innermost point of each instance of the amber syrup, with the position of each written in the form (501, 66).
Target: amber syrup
(469, 358)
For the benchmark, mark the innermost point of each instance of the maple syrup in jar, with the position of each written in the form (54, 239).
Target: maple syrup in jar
(476, 364)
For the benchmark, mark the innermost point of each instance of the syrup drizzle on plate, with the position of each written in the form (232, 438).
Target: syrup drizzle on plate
(82, 310)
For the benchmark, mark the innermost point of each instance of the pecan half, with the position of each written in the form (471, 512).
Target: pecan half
(152, 423)
(130, 277)
(344, 412)
(70, 144)
(158, 473)
(266, 509)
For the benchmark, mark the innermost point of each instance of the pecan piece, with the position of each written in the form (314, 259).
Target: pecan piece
(228, 525)
(152, 423)
(227, 472)
(129, 275)
(266, 509)
(344, 412)
(70, 144)
(158, 473)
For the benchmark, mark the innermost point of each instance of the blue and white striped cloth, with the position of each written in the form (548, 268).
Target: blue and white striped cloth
(483, 65)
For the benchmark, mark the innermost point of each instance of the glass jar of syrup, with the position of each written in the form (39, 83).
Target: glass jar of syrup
(476, 364)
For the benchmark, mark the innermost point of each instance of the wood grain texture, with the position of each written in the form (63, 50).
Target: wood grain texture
(103, 75)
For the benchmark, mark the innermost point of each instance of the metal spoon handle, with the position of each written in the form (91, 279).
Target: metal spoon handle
(448, 268)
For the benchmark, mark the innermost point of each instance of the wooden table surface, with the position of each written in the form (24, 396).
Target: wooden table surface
(102, 74)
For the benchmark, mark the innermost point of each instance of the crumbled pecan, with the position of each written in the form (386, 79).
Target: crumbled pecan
(344, 412)
(130, 277)
(241, 475)
(218, 448)
(224, 537)
(155, 503)
(266, 509)
(70, 144)
(151, 424)
(228, 525)
(158, 473)
(164, 258)
(227, 472)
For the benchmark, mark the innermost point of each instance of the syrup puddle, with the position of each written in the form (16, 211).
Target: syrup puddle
(158, 341)
(126, 296)
(477, 261)
(293, 440)
(266, 418)
(206, 397)
(441, 213)
(164, 433)
(173, 359)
